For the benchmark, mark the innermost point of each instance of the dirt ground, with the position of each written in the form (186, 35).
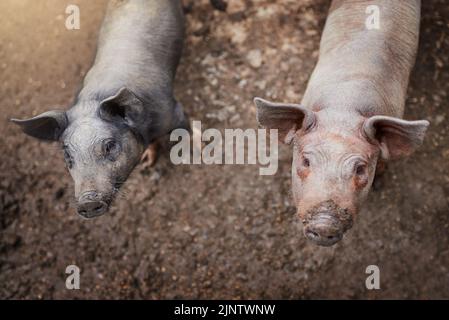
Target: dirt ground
(212, 231)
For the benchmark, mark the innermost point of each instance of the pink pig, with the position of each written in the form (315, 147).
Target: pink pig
(349, 120)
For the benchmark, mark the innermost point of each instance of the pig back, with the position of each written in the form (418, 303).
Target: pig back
(366, 68)
(139, 47)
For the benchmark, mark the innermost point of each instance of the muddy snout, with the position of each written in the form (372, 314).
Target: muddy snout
(90, 205)
(324, 230)
(325, 225)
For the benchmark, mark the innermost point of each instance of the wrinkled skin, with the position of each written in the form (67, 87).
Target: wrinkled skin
(99, 157)
(332, 172)
(335, 156)
(101, 148)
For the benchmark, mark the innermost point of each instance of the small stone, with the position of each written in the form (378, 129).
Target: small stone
(254, 58)
(238, 33)
(235, 118)
(155, 176)
(261, 84)
(242, 83)
(236, 6)
(439, 119)
(291, 94)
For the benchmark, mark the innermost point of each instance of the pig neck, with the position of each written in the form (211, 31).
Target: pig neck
(362, 71)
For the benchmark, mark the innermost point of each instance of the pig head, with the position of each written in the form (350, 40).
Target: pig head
(335, 155)
(102, 141)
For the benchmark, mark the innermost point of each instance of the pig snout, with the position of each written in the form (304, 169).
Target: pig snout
(324, 230)
(90, 205)
(326, 223)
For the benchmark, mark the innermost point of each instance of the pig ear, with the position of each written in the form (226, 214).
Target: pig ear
(397, 137)
(46, 126)
(287, 118)
(124, 106)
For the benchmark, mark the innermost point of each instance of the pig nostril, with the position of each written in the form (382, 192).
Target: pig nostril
(92, 209)
(321, 236)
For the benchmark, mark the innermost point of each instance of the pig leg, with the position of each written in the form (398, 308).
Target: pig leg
(149, 156)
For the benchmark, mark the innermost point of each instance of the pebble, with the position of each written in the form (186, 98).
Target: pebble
(439, 119)
(254, 58)
(261, 84)
(238, 34)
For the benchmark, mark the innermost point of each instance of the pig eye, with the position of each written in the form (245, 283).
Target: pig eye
(360, 169)
(110, 149)
(109, 146)
(306, 162)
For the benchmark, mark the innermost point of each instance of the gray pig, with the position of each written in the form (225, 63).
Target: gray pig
(349, 120)
(126, 101)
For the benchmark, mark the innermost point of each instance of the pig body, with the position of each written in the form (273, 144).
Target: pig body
(350, 115)
(125, 103)
(139, 48)
(365, 70)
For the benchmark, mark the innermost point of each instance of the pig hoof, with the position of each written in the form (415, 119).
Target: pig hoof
(149, 156)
